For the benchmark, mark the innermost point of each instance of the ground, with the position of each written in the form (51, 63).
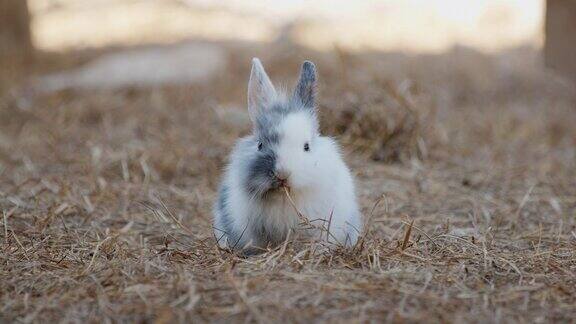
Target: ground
(466, 174)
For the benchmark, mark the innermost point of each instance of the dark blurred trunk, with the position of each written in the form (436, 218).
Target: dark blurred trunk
(16, 50)
(15, 36)
(560, 46)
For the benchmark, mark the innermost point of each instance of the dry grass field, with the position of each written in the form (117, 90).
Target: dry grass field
(466, 174)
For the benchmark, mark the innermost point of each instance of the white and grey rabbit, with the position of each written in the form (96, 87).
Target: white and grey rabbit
(285, 149)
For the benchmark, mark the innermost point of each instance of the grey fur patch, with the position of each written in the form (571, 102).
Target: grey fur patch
(225, 218)
(260, 175)
(266, 127)
(305, 91)
(235, 238)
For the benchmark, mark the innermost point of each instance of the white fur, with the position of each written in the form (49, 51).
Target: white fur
(321, 186)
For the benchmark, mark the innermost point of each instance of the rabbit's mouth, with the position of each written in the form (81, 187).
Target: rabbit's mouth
(275, 189)
(279, 184)
(283, 183)
(280, 180)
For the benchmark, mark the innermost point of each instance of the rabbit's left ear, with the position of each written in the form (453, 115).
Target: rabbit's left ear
(261, 92)
(305, 90)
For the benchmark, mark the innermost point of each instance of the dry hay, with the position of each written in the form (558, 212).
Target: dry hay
(384, 123)
(106, 201)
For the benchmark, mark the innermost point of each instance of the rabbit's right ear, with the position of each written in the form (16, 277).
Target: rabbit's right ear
(261, 92)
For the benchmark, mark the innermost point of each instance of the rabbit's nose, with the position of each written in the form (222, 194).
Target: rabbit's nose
(282, 176)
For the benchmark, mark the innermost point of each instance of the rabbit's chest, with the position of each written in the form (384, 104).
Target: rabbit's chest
(281, 217)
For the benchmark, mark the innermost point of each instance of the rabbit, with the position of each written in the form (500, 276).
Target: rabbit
(285, 150)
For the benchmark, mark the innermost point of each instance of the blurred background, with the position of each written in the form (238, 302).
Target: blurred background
(414, 26)
(33, 27)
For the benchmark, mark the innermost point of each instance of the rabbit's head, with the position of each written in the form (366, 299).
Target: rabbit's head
(286, 146)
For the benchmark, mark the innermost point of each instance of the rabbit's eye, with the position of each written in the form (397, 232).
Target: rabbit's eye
(307, 147)
(259, 146)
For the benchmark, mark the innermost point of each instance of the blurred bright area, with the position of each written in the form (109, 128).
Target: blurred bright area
(407, 25)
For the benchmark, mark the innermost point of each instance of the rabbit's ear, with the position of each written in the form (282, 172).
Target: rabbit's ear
(260, 90)
(305, 90)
